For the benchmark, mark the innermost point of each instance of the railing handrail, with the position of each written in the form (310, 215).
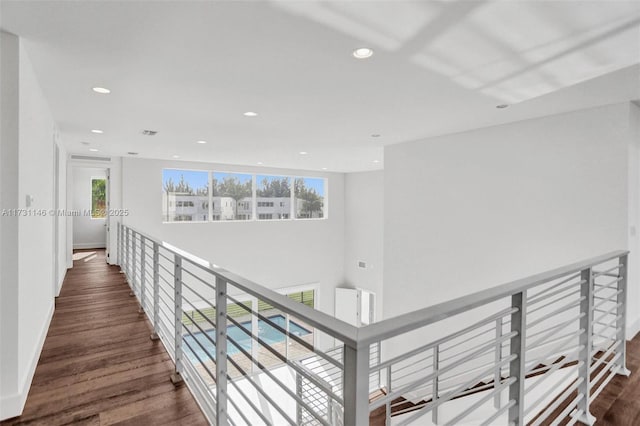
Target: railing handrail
(334, 327)
(404, 323)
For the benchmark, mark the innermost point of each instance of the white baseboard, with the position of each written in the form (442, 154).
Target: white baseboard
(12, 405)
(89, 246)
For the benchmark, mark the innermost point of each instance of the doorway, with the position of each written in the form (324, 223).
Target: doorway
(90, 207)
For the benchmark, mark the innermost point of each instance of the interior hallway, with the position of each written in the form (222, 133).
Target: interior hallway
(98, 364)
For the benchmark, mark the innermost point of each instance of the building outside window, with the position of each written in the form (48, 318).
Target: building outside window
(184, 195)
(233, 191)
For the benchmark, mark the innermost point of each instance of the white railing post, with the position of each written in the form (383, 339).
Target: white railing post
(121, 245)
(356, 385)
(156, 292)
(133, 264)
(517, 366)
(387, 420)
(143, 270)
(621, 313)
(118, 243)
(299, 393)
(435, 383)
(586, 342)
(497, 375)
(177, 325)
(128, 255)
(221, 351)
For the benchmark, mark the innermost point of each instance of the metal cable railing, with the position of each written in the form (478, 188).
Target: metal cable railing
(252, 356)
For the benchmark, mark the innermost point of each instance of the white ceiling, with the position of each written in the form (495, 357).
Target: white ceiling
(190, 69)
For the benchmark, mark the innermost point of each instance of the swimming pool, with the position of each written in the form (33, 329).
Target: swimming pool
(266, 332)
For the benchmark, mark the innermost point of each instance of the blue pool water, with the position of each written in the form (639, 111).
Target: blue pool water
(266, 332)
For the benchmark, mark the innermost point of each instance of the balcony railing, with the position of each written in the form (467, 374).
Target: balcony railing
(275, 361)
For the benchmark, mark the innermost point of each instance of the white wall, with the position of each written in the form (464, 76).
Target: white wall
(61, 220)
(469, 211)
(28, 284)
(633, 298)
(364, 224)
(87, 231)
(9, 275)
(275, 254)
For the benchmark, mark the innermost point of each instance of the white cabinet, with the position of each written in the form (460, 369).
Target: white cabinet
(355, 306)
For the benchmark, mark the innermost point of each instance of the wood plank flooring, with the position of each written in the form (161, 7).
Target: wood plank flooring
(98, 365)
(619, 402)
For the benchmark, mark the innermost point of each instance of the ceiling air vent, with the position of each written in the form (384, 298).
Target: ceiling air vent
(89, 158)
(149, 132)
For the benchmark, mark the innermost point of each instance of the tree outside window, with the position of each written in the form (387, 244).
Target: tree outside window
(98, 198)
(309, 193)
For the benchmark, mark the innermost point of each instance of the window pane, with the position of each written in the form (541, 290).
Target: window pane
(185, 195)
(273, 197)
(232, 196)
(309, 193)
(98, 198)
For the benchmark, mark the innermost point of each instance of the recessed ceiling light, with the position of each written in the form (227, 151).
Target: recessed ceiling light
(324, 168)
(250, 114)
(97, 131)
(362, 53)
(201, 142)
(502, 106)
(259, 163)
(376, 161)
(175, 156)
(132, 153)
(93, 149)
(101, 90)
(303, 152)
(375, 135)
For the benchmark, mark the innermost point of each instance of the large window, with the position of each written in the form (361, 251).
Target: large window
(273, 197)
(309, 198)
(232, 196)
(185, 195)
(98, 198)
(190, 196)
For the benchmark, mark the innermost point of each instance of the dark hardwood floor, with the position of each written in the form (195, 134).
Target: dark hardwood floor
(98, 365)
(619, 402)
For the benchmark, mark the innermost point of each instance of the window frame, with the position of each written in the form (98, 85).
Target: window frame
(292, 214)
(175, 203)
